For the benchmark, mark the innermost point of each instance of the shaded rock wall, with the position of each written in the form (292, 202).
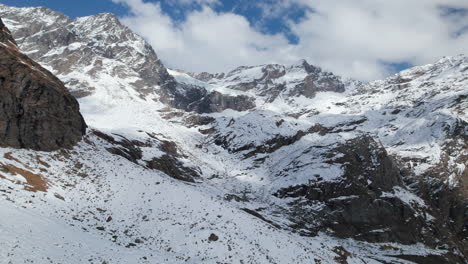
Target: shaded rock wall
(355, 206)
(36, 110)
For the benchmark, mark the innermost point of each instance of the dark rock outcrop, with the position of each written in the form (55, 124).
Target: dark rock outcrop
(274, 143)
(179, 96)
(36, 110)
(196, 99)
(6, 37)
(354, 206)
(218, 102)
(198, 120)
(375, 200)
(448, 202)
(121, 146)
(170, 163)
(173, 167)
(317, 81)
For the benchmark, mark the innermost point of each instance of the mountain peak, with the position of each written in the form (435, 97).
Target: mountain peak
(42, 15)
(97, 45)
(299, 63)
(304, 64)
(101, 18)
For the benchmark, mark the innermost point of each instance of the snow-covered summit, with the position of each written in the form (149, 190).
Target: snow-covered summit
(269, 82)
(94, 54)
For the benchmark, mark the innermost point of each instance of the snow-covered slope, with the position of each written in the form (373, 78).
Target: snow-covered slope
(311, 168)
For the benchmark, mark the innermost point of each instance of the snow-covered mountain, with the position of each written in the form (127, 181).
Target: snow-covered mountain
(264, 164)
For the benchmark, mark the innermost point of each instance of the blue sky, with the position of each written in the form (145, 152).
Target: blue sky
(363, 39)
(72, 8)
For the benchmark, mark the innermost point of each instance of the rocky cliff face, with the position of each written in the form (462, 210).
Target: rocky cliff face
(366, 203)
(37, 111)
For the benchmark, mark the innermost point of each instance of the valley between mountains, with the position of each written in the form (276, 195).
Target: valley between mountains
(108, 156)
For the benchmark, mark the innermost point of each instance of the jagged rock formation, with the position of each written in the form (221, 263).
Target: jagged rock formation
(37, 111)
(89, 51)
(271, 81)
(268, 80)
(95, 46)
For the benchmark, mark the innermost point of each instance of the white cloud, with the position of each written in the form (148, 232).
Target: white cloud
(206, 40)
(364, 33)
(353, 38)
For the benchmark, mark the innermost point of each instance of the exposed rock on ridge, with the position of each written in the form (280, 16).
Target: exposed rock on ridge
(273, 80)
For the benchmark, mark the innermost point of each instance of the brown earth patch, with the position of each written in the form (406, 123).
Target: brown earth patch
(35, 182)
(9, 156)
(41, 162)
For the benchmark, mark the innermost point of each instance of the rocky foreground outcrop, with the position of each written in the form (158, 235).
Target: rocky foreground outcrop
(36, 110)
